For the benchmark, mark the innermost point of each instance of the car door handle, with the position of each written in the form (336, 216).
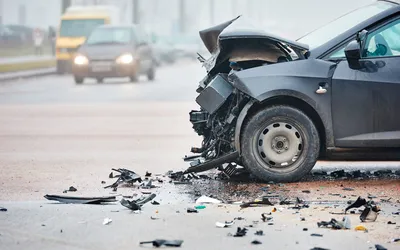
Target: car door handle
(321, 90)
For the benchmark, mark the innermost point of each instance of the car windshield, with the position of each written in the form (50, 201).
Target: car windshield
(110, 35)
(79, 27)
(343, 24)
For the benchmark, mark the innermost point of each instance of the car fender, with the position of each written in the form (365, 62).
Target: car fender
(297, 79)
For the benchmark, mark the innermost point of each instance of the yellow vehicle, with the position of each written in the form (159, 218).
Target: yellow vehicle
(76, 25)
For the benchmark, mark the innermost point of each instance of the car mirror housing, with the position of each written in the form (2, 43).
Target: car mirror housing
(353, 54)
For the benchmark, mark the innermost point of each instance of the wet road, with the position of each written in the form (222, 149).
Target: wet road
(54, 134)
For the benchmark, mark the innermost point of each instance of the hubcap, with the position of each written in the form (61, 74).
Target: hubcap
(280, 144)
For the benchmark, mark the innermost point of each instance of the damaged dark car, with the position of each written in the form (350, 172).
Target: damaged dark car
(276, 106)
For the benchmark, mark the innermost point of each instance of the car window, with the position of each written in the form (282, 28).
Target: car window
(79, 27)
(384, 41)
(110, 35)
(343, 24)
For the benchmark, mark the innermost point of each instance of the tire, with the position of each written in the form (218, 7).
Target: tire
(290, 140)
(78, 80)
(133, 78)
(60, 68)
(100, 80)
(151, 74)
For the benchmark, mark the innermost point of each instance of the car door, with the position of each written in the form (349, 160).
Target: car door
(365, 101)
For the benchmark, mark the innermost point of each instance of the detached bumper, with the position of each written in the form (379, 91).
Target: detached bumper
(103, 70)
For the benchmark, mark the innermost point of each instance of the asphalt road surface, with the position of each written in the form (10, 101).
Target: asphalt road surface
(55, 134)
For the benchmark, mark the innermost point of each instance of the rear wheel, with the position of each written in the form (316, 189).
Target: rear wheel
(78, 80)
(280, 144)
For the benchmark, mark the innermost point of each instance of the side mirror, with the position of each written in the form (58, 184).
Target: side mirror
(353, 54)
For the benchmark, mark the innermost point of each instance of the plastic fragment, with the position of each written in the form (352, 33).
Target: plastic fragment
(192, 210)
(207, 200)
(240, 232)
(317, 235)
(380, 247)
(200, 207)
(361, 228)
(391, 223)
(259, 233)
(224, 224)
(3, 209)
(264, 218)
(274, 210)
(72, 189)
(107, 221)
(167, 243)
(256, 242)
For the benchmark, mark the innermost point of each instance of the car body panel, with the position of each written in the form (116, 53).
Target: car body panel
(365, 104)
(298, 79)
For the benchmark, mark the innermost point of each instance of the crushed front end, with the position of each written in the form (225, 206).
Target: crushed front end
(216, 120)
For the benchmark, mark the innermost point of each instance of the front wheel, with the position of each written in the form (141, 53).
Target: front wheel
(78, 80)
(280, 144)
(151, 74)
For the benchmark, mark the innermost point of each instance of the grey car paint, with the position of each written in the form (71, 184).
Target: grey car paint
(299, 79)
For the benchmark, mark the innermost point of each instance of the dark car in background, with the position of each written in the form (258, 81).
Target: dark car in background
(115, 51)
(276, 106)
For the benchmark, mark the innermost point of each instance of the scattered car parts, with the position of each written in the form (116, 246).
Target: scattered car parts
(137, 204)
(80, 200)
(160, 243)
(126, 176)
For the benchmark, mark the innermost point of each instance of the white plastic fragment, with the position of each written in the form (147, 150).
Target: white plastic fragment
(224, 224)
(207, 200)
(107, 221)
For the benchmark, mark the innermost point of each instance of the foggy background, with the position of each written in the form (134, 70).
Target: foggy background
(289, 18)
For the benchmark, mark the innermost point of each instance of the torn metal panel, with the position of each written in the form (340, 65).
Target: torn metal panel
(80, 200)
(137, 204)
(127, 176)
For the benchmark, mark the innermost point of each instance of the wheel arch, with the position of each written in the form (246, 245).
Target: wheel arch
(294, 101)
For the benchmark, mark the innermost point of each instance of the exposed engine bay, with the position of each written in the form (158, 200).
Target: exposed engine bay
(220, 102)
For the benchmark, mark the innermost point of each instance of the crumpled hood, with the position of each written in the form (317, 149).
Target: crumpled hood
(213, 35)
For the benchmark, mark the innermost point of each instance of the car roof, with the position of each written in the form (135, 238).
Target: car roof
(321, 50)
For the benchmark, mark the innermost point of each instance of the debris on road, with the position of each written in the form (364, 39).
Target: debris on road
(317, 235)
(240, 232)
(370, 213)
(306, 191)
(191, 210)
(207, 200)
(72, 189)
(391, 223)
(137, 204)
(155, 203)
(263, 201)
(334, 224)
(80, 200)
(256, 242)
(147, 174)
(127, 176)
(111, 175)
(167, 243)
(361, 228)
(379, 247)
(3, 209)
(259, 233)
(200, 207)
(224, 224)
(265, 218)
(107, 221)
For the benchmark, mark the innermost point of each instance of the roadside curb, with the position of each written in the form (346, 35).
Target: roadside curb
(26, 74)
